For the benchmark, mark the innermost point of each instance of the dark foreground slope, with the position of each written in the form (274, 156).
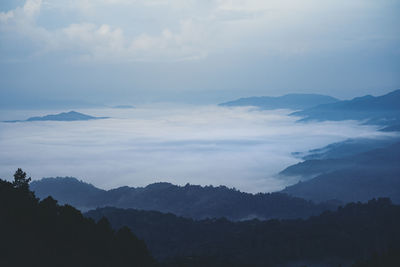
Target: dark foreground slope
(375, 173)
(189, 201)
(290, 101)
(34, 233)
(351, 233)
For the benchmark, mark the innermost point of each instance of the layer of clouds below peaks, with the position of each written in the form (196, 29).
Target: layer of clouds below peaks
(237, 147)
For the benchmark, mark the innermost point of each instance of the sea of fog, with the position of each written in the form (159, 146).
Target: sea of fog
(240, 147)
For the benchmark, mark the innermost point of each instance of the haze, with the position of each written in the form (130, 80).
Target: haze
(79, 53)
(238, 147)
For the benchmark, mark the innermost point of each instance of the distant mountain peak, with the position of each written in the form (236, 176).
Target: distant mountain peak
(123, 107)
(288, 101)
(380, 110)
(63, 116)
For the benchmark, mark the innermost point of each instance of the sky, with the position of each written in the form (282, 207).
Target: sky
(55, 53)
(239, 147)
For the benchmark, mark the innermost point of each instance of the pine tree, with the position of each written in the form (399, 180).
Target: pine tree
(20, 180)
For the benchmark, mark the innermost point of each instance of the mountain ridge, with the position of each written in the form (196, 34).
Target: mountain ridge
(288, 101)
(63, 116)
(374, 173)
(190, 201)
(344, 235)
(381, 110)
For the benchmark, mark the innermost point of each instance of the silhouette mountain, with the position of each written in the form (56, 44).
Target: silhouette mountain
(289, 101)
(190, 201)
(346, 148)
(338, 238)
(43, 233)
(382, 110)
(392, 128)
(64, 116)
(359, 177)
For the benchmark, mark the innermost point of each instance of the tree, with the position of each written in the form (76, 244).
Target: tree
(20, 180)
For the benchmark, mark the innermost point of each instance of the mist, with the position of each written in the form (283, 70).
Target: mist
(243, 148)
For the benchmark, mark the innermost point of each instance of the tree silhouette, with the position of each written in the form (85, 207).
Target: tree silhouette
(44, 233)
(20, 180)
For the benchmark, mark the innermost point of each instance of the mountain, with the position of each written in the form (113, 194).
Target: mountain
(123, 106)
(353, 232)
(190, 201)
(382, 110)
(69, 190)
(386, 158)
(290, 101)
(43, 233)
(359, 177)
(347, 147)
(64, 116)
(392, 128)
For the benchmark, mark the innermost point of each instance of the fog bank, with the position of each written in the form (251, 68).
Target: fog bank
(237, 147)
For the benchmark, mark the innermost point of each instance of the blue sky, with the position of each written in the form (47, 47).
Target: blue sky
(208, 51)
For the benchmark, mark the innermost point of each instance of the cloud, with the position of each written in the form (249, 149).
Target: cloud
(238, 147)
(5, 16)
(192, 30)
(90, 41)
(22, 15)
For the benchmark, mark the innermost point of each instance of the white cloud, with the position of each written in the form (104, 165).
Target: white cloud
(22, 15)
(237, 147)
(32, 8)
(105, 42)
(192, 29)
(181, 45)
(5, 16)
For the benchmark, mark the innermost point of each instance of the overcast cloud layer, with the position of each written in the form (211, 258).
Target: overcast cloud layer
(237, 147)
(103, 51)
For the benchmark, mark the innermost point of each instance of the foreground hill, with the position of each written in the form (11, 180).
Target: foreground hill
(189, 201)
(382, 110)
(331, 239)
(290, 101)
(42, 233)
(64, 116)
(375, 173)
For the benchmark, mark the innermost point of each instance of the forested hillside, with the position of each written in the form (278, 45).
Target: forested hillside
(43, 233)
(353, 232)
(359, 177)
(190, 201)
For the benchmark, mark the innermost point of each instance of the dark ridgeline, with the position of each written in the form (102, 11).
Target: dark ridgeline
(359, 177)
(64, 116)
(348, 147)
(381, 110)
(190, 201)
(42, 233)
(353, 232)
